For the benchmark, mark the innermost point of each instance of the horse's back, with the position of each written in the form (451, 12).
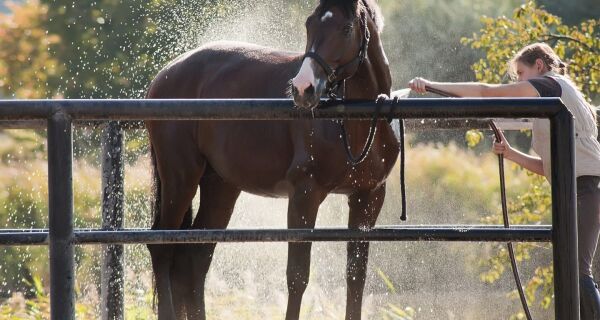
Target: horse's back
(227, 70)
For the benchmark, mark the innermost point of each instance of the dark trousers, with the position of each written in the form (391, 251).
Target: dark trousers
(588, 211)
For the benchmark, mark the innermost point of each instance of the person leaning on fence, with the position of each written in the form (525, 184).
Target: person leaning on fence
(539, 72)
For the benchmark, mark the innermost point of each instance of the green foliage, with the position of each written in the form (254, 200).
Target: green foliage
(37, 307)
(96, 49)
(573, 11)
(500, 38)
(101, 47)
(24, 55)
(473, 138)
(532, 207)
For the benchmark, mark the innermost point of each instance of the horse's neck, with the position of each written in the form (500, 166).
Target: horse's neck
(373, 77)
(371, 80)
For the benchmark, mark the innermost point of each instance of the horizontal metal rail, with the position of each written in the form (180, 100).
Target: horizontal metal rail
(412, 124)
(388, 233)
(278, 109)
(61, 114)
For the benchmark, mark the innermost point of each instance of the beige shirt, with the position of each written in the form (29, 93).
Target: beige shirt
(587, 148)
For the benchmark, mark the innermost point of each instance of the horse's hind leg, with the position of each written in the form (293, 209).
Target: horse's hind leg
(217, 200)
(302, 214)
(180, 272)
(162, 255)
(364, 210)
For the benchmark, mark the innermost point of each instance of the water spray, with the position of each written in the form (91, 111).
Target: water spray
(511, 252)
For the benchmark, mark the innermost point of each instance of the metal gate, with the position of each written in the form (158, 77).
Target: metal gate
(61, 236)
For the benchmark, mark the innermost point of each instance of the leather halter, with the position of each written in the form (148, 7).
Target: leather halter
(333, 74)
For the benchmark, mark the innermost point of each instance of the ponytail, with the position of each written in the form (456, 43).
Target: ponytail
(562, 68)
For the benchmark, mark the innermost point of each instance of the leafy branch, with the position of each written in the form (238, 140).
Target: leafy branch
(548, 37)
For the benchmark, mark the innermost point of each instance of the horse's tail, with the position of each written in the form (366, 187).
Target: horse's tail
(156, 191)
(156, 211)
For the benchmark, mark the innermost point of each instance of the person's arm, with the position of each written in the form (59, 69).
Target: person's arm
(475, 89)
(531, 163)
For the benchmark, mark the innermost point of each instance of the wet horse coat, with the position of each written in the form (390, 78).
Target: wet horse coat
(303, 160)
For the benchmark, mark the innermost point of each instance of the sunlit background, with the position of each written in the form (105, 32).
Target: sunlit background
(112, 49)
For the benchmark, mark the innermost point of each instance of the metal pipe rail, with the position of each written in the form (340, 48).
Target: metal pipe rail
(277, 109)
(60, 115)
(412, 124)
(388, 233)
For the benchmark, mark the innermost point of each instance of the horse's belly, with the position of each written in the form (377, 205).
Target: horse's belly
(253, 155)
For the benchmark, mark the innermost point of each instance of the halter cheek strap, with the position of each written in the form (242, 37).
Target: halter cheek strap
(330, 72)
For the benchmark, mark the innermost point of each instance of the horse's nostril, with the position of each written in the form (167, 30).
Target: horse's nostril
(310, 90)
(294, 91)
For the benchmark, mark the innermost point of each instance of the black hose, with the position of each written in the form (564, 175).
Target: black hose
(509, 245)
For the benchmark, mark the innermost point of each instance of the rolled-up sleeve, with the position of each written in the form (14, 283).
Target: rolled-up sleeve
(546, 86)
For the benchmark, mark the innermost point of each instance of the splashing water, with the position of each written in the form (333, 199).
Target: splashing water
(247, 281)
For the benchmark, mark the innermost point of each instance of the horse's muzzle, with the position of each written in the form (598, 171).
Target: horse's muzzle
(310, 97)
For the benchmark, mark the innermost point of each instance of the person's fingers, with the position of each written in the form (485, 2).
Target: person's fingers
(415, 85)
(412, 84)
(499, 148)
(422, 88)
(418, 85)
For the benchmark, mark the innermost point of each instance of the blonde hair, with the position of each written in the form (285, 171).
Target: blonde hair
(531, 53)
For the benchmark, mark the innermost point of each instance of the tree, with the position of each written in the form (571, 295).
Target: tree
(500, 38)
(27, 68)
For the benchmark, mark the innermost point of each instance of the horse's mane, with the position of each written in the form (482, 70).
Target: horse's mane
(352, 8)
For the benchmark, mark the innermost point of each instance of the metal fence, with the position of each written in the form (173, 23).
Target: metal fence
(59, 115)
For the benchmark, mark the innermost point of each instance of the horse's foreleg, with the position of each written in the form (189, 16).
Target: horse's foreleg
(302, 214)
(364, 210)
(217, 201)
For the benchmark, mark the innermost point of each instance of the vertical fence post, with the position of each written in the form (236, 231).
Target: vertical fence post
(564, 217)
(60, 194)
(112, 219)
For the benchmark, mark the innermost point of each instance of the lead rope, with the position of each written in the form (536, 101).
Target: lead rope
(367, 147)
(511, 252)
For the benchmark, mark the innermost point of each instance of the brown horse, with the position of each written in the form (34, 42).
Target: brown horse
(302, 160)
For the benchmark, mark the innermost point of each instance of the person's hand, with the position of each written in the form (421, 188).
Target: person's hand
(502, 147)
(419, 85)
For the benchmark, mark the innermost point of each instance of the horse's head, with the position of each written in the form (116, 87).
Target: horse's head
(337, 41)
